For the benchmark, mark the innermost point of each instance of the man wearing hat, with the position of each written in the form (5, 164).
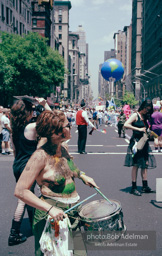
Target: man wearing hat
(82, 121)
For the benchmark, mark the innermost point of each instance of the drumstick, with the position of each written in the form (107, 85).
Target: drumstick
(103, 195)
(77, 204)
(80, 203)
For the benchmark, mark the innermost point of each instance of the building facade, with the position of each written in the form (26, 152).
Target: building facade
(121, 54)
(84, 85)
(41, 18)
(136, 56)
(15, 16)
(151, 71)
(61, 20)
(74, 67)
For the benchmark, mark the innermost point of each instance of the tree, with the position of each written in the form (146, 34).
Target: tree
(29, 67)
(130, 99)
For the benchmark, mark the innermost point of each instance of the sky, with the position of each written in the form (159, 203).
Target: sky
(100, 20)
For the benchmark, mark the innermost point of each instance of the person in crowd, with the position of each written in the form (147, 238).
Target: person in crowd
(161, 106)
(1, 113)
(143, 158)
(54, 170)
(6, 131)
(105, 117)
(94, 118)
(82, 121)
(156, 126)
(25, 140)
(121, 121)
(127, 110)
(100, 116)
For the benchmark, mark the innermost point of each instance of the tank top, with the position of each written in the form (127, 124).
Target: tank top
(24, 149)
(140, 124)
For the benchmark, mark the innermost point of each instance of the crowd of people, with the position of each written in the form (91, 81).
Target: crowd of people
(41, 158)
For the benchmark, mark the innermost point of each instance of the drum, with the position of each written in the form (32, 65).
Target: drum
(100, 215)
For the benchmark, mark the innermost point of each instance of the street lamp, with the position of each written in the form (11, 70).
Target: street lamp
(144, 90)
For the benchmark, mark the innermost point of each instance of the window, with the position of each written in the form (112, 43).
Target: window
(14, 3)
(60, 19)
(2, 12)
(28, 17)
(7, 15)
(20, 5)
(20, 28)
(60, 36)
(60, 11)
(13, 22)
(17, 26)
(34, 22)
(60, 28)
(10, 16)
(73, 44)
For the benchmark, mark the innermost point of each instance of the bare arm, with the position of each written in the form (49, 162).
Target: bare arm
(43, 102)
(7, 127)
(88, 180)
(128, 124)
(32, 170)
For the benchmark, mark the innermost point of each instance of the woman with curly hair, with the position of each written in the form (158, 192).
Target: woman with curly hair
(54, 170)
(24, 138)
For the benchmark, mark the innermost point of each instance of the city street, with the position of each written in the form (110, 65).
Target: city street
(104, 163)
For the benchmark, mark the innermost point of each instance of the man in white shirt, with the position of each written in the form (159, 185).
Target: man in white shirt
(6, 130)
(82, 121)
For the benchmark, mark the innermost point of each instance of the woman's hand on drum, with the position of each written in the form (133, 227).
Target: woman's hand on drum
(88, 181)
(57, 214)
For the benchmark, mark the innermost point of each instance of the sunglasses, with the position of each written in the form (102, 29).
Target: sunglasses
(68, 126)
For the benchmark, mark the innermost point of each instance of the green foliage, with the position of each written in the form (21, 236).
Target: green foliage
(129, 99)
(28, 66)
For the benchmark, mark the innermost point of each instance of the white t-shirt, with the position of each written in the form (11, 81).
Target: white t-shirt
(5, 120)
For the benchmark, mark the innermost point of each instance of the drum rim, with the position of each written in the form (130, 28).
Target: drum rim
(118, 209)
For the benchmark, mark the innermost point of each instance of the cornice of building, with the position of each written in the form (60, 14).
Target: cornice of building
(63, 3)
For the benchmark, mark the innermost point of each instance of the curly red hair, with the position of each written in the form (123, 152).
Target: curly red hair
(49, 122)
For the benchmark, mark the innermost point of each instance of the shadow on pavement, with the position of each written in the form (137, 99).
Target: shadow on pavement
(154, 203)
(128, 189)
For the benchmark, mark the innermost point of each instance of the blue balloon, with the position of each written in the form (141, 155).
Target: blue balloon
(112, 68)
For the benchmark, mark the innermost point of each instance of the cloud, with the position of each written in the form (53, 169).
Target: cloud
(105, 40)
(99, 2)
(126, 7)
(77, 2)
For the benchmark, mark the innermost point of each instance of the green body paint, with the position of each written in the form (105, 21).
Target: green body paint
(63, 189)
(60, 179)
(69, 188)
(72, 167)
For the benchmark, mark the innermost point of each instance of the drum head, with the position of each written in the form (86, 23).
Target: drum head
(99, 209)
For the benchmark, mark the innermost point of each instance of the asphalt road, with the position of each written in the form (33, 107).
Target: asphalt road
(104, 162)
